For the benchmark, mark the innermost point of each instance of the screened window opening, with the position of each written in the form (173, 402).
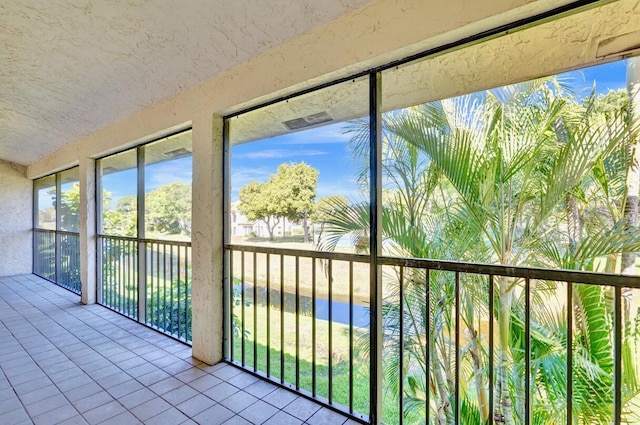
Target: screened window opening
(144, 236)
(56, 239)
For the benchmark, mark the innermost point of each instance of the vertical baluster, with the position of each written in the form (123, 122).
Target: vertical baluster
(282, 318)
(110, 272)
(231, 304)
(330, 368)
(569, 353)
(268, 266)
(157, 288)
(401, 347)
(128, 274)
(135, 253)
(133, 279)
(527, 351)
(491, 350)
(180, 292)
(171, 283)
(617, 356)
(242, 306)
(313, 327)
(150, 287)
(456, 409)
(255, 311)
(187, 295)
(121, 245)
(127, 299)
(116, 278)
(297, 322)
(427, 322)
(114, 273)
(106, 271)
(122, 285)
(164, 287)
(351, 336)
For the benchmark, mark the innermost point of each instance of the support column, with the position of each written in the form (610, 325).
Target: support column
(87, 170)
(206, 239)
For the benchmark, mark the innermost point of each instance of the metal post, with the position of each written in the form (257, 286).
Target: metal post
(142, 246)
(58, 256)
(617, 356)
(375, 247)
(227, 277)
(99, 230)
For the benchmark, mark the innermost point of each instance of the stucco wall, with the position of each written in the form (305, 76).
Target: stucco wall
(15, 227)
(373, 35)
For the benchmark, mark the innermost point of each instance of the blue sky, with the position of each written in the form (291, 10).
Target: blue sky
(124, 183)
(325, 148)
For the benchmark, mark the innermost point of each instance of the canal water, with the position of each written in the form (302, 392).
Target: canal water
(339, 309)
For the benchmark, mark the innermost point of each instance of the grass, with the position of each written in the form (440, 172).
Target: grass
(341, 382)
(341, 348)
(257, 273)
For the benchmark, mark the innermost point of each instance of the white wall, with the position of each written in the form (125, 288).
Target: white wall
(16, 192)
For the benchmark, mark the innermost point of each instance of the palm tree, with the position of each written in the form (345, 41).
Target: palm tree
(485, 178)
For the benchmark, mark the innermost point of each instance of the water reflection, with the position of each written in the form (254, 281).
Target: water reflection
(340, 310)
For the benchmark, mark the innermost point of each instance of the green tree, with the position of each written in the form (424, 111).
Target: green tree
(487, 178)
(122, 220)
(325, 207)
(70, 209)
(168, 209)
(295, 185)
(257, 203)
(288, 193)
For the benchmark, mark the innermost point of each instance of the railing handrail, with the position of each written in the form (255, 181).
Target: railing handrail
(145, 240)
(36, 229)
(561, 275)
(325, 255)
(60, 232)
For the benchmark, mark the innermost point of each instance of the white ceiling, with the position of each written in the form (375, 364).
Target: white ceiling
(71, 67)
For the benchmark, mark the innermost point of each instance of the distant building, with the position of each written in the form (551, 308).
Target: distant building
(242, 226)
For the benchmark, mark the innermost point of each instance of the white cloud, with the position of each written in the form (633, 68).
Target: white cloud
(279, 154)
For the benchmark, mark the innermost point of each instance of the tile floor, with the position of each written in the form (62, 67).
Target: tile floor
(65, 363)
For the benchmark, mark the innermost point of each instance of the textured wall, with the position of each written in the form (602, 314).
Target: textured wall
(366, 37)
(15, 226)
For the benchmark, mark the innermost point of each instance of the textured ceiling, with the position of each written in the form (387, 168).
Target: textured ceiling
(69, 68)
(599, 34)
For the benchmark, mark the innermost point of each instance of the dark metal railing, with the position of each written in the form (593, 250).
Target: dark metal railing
(461, 341)
(296, 318)
(148, 280)
(119, 274)
(44, 254)
(69, 261)
(464, 307)
(57, 257)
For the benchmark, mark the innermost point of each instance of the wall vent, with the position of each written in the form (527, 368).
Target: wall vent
(308, 121)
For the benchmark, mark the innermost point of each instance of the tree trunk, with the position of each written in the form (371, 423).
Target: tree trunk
(445, 414)
(271, 228)
(481, 389)
(504, 409)
(304, 228)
